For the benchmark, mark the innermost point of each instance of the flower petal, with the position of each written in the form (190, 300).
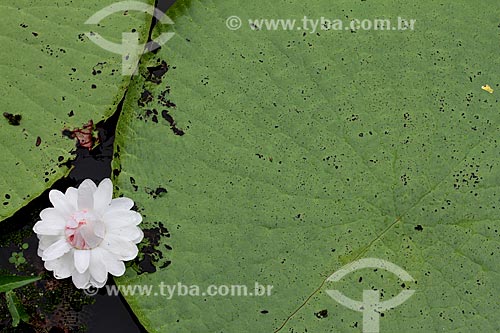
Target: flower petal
(60, 203)
(100, 229)
(121, 219)
(121, 247)
(103, 195)
(56, 250)
(113, 265)
(139, 237)
(130, 233)
(82, 260)
(121, 204)
(81, 280)
(46, 241)
(86, 194)
(63, 267)
(97, 284)
(72, 196)
(97, 267)
(54, 216)
(87, 237)
(89, 183)
(47, 228)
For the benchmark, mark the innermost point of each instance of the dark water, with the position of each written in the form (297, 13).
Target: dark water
(107, 313)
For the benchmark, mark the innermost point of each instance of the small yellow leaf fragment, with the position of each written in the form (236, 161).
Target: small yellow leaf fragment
(487, 88)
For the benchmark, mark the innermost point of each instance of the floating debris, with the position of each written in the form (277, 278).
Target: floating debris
(487, 88)
(85, 135)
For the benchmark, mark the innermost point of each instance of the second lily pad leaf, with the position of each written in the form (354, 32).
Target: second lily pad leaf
(54, 78)
(285, 154)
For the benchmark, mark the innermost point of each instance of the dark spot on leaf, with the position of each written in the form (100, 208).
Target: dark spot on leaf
(165, 264)
(172, 123)
(156, 72)
(163, 100)
(321, 314)
(145, 98)
(97, 69)
(168, 117)
(14, 119)
(150, 256)
(71, 113)
(68, 133)
(148, 114)
(38, 141)
(132, 182)
(177, 131)
(264, 312)
(419, 228)
(156, 192)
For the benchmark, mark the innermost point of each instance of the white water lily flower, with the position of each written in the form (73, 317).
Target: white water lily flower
(87, 234)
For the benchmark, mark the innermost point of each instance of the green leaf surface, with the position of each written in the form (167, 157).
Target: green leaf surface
(55, 78)
(16, 309)
(306, 151)
(11, 282)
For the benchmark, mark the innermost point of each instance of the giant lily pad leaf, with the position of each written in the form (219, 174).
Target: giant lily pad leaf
(277, 157)
(53, 77)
